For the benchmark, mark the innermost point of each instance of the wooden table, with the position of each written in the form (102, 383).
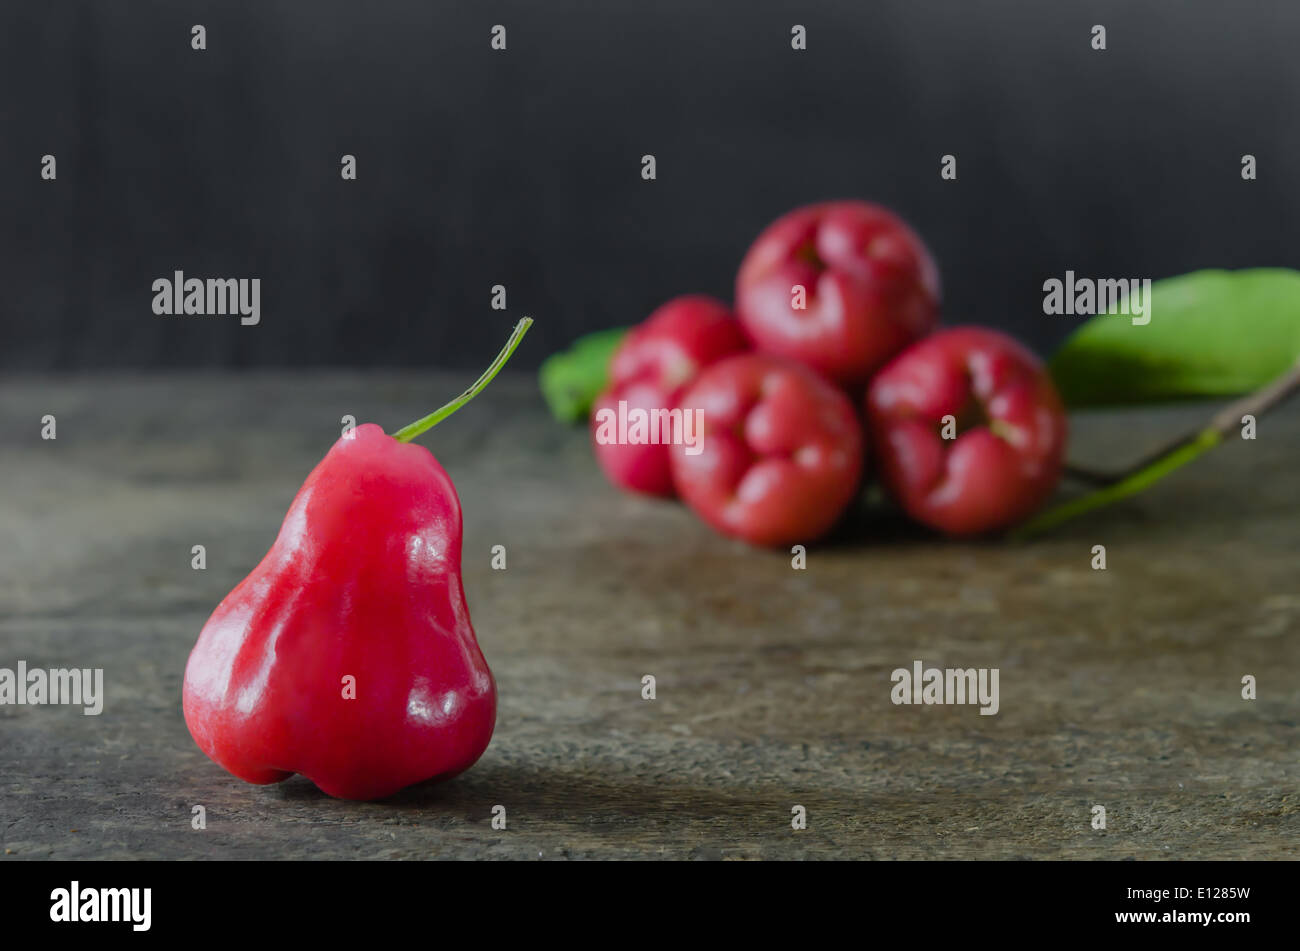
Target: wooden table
(1119, 688)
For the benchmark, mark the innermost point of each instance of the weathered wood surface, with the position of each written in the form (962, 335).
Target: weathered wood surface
(1118, 687)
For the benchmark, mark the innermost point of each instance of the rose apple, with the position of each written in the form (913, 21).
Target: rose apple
(781, 450)
(869, 288)
(1004, 417)
(650, 368)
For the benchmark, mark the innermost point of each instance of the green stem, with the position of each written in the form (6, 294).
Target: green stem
(1166, 460)
(1130, 485)
(421, 426)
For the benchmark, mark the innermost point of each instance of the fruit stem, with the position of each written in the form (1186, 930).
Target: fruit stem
(423, 425)
(1130, 485)
(1171, 457)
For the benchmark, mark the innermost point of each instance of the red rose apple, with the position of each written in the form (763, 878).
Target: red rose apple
(1006, 420)
(647, 372)
(869, 286)
(780, 455)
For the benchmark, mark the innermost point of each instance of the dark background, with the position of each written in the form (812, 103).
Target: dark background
(479, 167)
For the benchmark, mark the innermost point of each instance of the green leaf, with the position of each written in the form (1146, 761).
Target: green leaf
(1211, 333)
(572, 379)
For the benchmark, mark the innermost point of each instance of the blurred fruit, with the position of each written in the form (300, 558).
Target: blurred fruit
(649, 370)
(781, 455)
(870, 288)
(1005, 425)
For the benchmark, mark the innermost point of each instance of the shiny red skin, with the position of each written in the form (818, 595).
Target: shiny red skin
(364, 581)
(782, 451)
(1011, 431)
(649, 370)
(872, 288)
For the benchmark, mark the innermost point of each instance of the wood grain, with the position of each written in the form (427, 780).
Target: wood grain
(1119, 687)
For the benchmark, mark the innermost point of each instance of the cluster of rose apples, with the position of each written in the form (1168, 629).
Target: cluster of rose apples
(828, 370)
